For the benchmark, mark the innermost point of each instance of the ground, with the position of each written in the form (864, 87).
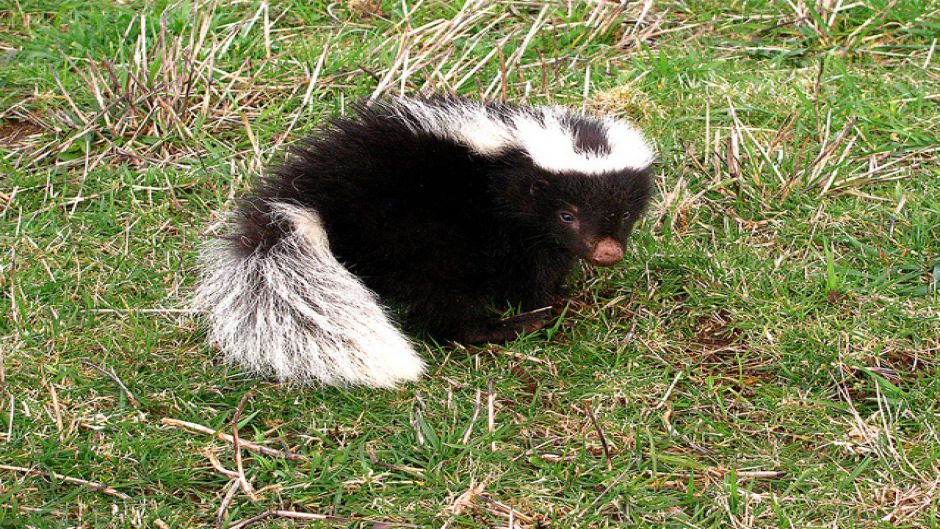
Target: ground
(767, 355)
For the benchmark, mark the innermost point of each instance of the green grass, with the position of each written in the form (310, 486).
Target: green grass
(768, 355)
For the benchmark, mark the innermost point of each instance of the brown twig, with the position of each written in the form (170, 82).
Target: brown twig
(296, 515)
(760, 474)
(247, 445)
(12, 312)
(473, 418)
(464, 501)
(93, 485)
(498, 507)
(232, 487)
(236, 443)
(374, 458)
(217, 465)
(491, 411)
(603, 438)
(112, 376)
(56, 409)
(10, 417)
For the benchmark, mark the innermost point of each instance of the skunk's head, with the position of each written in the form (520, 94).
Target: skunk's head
(590, 215)
(583, 181)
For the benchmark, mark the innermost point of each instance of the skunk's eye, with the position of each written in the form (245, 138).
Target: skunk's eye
(626, 215)
(566, 216)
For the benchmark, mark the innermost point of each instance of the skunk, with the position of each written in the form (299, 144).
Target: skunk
(441, 205)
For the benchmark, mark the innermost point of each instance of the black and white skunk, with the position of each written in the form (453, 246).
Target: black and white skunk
(443, 206)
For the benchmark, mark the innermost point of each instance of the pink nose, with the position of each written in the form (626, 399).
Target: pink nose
(606, 252)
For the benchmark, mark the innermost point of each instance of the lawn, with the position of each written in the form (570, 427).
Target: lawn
(767, 355)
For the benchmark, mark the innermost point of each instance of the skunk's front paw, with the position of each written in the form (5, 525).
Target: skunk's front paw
(508, 329)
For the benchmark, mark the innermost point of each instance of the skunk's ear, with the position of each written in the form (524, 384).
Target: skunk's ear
(537, 186)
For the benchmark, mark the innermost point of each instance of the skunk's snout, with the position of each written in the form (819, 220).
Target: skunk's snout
(606, 252)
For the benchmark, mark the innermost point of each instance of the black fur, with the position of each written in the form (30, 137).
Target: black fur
(447, 233)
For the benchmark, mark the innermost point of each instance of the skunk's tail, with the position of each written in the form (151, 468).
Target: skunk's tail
(281, 305)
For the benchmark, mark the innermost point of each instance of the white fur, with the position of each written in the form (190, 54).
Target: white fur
(297, 314)
(464, 122)
(538, 131)
(551, 144)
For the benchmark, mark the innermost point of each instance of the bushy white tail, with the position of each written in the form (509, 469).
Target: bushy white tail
(295, 313)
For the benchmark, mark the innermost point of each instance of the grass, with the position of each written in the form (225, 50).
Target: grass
(768, 355)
